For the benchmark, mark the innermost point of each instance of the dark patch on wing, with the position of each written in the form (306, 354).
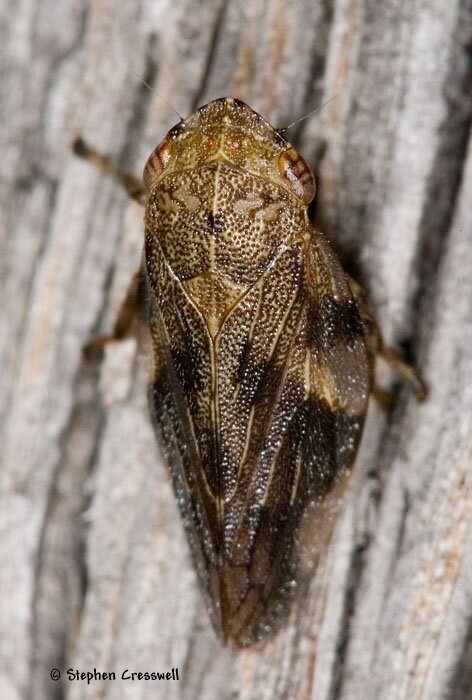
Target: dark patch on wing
(258, 378)
(158, 390)
(185, 461)
(330, 322)
(210, 457)
(270, 375)
(244, 361)
(181, 458)
(328, 445)
(186, 362)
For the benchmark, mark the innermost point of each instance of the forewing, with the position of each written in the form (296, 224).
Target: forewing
(293, 395)
(180, 398)
(259, 426)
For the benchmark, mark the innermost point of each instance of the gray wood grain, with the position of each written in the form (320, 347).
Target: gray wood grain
(94, 569)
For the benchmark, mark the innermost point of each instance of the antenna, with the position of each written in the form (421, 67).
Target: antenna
(153, 90)
(313, 111)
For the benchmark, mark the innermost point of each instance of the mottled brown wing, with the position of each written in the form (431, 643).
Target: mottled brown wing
(295, 378)
(259, 429)
(180, 399)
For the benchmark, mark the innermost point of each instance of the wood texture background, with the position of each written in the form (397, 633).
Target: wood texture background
(94, 569)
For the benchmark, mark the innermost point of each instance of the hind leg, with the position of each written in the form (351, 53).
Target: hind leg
(377, 347)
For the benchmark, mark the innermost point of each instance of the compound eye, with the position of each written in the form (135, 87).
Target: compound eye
(297, 175)
(156, 163)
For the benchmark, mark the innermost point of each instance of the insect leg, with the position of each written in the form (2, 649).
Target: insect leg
(131, 184)
(131, 308)
(377, 347)
(383, 397)
(405, 371)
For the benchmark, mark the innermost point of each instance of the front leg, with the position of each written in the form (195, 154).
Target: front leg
(133, 305)
(131, 184)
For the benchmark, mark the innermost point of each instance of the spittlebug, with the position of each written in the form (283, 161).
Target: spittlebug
(263, 356)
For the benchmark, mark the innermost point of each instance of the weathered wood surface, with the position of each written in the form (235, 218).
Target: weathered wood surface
(94, 570)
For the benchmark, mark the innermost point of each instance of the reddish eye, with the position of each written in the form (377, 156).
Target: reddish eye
(156, 163)
(235, 145)
(211, 143)
(298, 175)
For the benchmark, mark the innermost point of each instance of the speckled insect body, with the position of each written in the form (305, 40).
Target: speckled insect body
(261, 367)
(263, 352)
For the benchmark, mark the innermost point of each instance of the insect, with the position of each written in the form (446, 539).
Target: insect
(263, 356)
